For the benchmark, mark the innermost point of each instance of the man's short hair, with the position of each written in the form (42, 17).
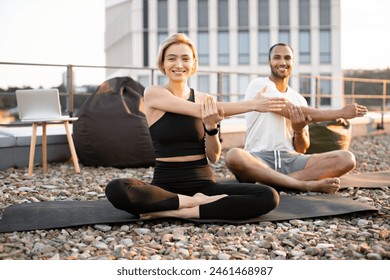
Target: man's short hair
(276, 45)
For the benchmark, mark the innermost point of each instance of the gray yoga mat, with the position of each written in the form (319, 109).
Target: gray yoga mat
(63, 214)
(369, 180)
(366, 180)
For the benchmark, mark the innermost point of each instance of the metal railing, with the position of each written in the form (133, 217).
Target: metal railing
(349, 91)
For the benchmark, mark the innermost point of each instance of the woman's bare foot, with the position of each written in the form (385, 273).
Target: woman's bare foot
(186, 201)
(186, 213)
(204, 199)
(188, 207)
(327, 185)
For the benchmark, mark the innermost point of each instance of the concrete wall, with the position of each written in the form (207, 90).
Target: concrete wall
(15, 141)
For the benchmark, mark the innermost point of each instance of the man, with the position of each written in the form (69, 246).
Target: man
(276, 142)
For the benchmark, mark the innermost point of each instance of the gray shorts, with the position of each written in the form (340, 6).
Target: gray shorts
(285, 162)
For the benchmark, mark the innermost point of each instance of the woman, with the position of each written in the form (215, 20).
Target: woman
(184, 127)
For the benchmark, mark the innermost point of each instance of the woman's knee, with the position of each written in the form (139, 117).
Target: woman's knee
(268, 198)
(274, 197)
(118, 186)
(122, 194)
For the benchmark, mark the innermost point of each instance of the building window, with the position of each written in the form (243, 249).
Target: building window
(204, 83)
(203, 48)
(243, 82)
(325, 32)
(203, 14)
(144, 80)
(305, 87)
(162, 80)
(203, 34)
(325, 47)
(243, 47)
(182, 16)
(263, 48)
(304, 32)
(226, 88)
(145, 33)
(263, 13)
(223, 48)
(284, 21)
(161, 36)
(263, 33)
(243, 14)
(162, 21)
(284, 36)
(325, 13)
(223, 14)
(304, 47)
(243, 32)
(162, 16)
(325, 90)
(223, 32)
(304, 14)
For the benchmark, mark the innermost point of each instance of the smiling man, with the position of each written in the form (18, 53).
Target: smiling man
(276, 143)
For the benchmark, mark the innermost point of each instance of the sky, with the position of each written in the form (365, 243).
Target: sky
(72, 32)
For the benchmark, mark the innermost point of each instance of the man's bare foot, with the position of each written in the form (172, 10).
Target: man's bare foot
(327, 185)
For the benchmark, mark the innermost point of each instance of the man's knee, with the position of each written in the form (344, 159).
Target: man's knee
(234, 158)
(348, 158)
(344, 160)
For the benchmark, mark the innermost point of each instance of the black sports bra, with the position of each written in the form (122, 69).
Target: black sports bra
(178, 135)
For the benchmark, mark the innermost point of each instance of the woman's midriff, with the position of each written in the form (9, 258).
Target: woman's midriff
(181, 159)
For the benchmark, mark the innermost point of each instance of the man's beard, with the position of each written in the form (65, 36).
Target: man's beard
(275, 73)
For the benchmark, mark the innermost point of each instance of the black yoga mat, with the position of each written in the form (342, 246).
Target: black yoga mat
(63, 214)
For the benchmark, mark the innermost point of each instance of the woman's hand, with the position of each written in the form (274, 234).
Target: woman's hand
(268, 104)
(211, 115)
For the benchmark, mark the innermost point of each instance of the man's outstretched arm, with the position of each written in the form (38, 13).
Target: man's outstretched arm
(349, 111)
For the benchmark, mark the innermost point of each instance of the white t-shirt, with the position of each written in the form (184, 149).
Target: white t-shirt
(269, 131)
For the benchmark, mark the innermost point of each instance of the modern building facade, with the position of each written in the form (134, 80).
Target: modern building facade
(233, 38)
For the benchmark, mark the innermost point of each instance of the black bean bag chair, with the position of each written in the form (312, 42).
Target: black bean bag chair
(329, 136)
(111, 129)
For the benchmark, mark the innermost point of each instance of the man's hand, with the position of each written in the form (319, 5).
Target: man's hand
(351, 111)
(298, 119)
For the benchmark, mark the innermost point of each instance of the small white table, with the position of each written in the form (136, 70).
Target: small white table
(44, 143)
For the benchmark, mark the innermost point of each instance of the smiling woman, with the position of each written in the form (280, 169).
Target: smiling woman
(183, 124)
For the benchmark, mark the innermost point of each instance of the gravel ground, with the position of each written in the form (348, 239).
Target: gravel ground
(352, 237)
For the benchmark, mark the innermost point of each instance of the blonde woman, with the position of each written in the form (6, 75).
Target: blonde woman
(184, 126)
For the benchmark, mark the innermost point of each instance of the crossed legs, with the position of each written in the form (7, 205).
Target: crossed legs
(319, 175)
(137, 197)
(213, 200)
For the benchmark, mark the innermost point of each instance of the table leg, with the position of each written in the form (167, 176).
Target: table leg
(72, 148)
(44, 147)
(32, 148)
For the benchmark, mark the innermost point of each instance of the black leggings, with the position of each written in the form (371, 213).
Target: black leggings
(244, 200)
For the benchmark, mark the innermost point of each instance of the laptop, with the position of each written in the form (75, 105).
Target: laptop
(40, 105)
